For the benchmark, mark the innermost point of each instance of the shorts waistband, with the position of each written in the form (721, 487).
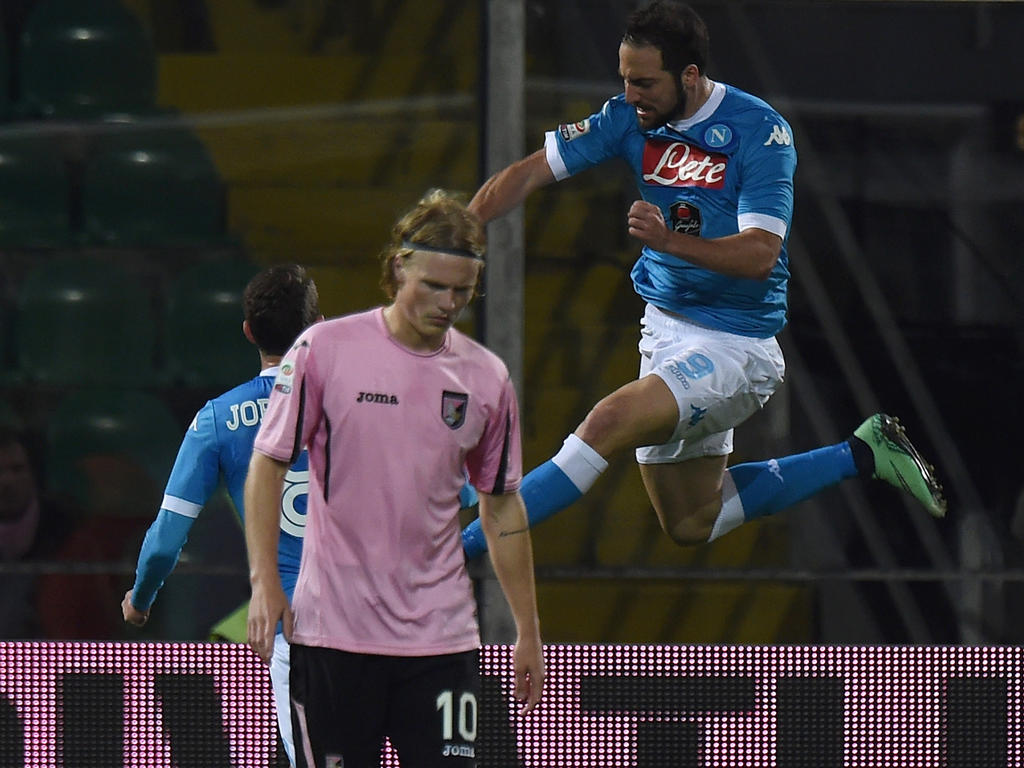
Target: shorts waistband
(662, 319)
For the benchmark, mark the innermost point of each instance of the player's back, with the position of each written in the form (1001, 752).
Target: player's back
(235, 418)
(227, 425)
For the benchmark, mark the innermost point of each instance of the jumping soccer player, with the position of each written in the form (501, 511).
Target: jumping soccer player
(714, 166)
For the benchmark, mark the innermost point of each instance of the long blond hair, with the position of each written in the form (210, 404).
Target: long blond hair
(440, 220)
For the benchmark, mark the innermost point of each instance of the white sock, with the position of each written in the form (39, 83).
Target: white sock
(731, 516)
(580, 463)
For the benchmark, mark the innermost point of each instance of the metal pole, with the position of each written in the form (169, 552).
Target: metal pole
(503, 143)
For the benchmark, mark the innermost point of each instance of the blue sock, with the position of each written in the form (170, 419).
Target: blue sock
(549, 488)
(766, 487)
(545, 491)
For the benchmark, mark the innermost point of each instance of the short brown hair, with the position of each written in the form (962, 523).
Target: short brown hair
(676, 30)
(280, 303)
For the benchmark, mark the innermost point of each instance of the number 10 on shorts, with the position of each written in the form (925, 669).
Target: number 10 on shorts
(466, 715)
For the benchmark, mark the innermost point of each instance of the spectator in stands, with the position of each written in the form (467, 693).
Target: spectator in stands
(32, 528)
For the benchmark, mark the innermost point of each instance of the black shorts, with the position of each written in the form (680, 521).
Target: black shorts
(345, 704)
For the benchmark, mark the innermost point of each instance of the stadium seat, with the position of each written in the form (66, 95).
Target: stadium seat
(35, 191)
(152, 184)
(82, 320)
(9, 417)
(85, 59)
(5, 73)
(111, 450)
(203, 326)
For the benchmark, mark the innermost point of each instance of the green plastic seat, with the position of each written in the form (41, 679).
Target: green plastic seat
(9, 417)
(152, 185)
(203, 326)
(82, 321)
(5, 73)
(111, 450)
(83, 59)
(35, 191)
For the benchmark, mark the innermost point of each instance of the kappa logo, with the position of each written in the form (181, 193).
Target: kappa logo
(453, 408)
(779, 136)
(696, 414)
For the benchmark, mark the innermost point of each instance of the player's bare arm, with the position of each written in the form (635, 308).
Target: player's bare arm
(510, 187)
(503, 519)
(751, 254)
(268, 604)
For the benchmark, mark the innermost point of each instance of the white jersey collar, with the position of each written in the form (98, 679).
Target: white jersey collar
(706, 109)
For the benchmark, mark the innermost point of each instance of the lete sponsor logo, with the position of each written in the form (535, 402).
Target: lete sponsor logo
(678, 164)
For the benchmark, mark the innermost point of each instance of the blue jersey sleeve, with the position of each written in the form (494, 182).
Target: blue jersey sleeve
(574, 147)
(160, 550)
(193, 480)
(196, 471)
(769, 164)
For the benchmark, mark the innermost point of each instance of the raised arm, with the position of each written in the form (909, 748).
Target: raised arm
(504, 523)
(508, 188)
(268, 604)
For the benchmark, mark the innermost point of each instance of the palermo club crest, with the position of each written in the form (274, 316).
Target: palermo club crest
(453, 408)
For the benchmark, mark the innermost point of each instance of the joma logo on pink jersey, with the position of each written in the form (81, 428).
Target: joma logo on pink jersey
(678, 164)
(377, 397)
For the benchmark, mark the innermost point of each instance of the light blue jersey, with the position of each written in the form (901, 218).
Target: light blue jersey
(218, 445)
(727, 168)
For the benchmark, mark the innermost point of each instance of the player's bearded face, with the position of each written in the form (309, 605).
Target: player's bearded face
(655, 94)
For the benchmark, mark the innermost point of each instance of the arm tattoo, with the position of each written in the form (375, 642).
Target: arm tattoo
(503, 534)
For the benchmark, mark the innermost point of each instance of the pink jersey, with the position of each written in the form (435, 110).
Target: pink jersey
(389, 432)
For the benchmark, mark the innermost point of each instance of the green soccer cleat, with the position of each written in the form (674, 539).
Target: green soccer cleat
(898, 462)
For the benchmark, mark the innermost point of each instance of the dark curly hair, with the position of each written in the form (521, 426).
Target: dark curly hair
(279, 303)
(675, 29)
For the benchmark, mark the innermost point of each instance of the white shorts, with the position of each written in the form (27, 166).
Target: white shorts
(279, 671)
(719, 380)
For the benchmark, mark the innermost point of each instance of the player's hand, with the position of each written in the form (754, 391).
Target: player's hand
(648, 225)
(267, 606)
(132, 614)
(528, 664)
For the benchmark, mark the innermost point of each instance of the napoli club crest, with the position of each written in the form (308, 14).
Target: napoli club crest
(453, 408)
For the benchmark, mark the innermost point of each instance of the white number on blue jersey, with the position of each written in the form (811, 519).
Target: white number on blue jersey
(296, 487)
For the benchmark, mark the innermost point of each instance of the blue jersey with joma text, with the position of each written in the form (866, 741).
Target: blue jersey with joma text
(218, 445)
(727, 168)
